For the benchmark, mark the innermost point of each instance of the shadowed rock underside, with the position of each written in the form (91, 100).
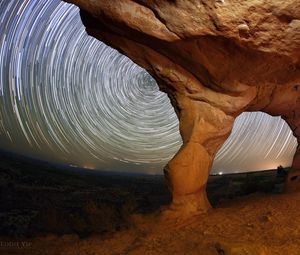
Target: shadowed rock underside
(215, 59)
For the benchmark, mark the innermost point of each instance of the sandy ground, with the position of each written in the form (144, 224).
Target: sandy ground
(258, 224)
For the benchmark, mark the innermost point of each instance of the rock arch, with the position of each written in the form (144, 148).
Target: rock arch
(215, 59)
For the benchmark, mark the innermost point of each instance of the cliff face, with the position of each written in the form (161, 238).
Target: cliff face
(215, 59)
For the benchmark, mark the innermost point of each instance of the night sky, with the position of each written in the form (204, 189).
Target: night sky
(69, 98)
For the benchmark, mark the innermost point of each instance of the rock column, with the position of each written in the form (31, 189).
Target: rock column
(204, 129)
(293, 179)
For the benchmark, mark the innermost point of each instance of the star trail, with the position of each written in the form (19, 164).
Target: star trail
(69, 98)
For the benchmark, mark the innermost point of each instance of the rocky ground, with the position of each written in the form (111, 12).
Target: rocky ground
(46, 210)
(258, 224)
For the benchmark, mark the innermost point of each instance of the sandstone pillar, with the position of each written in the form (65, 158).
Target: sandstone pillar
(293, 179)
(203, 128)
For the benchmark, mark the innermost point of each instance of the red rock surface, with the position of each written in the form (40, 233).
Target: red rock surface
(215, 59)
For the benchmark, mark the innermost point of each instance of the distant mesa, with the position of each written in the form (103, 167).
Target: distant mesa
(214, 61)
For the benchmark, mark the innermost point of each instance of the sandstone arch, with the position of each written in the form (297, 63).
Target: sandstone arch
(215, 59)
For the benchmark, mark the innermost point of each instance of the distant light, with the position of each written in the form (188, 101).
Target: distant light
(89, 167)
(220, 173)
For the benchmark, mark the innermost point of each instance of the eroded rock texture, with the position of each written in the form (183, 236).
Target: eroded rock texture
(215, 59)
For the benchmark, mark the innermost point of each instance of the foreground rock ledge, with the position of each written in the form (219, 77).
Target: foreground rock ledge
(215, 59)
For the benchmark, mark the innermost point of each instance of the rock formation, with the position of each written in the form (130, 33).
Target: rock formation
(215, 59)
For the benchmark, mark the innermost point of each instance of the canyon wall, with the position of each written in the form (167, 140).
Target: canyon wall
(215, 59)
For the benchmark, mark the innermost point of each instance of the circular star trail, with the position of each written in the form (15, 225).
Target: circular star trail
(69, 98)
